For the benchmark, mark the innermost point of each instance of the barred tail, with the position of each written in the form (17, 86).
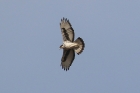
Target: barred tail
(81, 44)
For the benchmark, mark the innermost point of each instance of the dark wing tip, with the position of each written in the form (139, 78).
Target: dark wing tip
(65, 68)
(65, 19)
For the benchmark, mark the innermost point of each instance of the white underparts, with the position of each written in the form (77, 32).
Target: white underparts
(69, 45)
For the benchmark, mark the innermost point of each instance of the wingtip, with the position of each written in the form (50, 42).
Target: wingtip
(65, 68)
(66, 19)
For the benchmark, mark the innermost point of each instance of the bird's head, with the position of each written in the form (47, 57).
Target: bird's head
(61, 47)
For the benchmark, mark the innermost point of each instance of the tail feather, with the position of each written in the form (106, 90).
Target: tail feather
(81, 44)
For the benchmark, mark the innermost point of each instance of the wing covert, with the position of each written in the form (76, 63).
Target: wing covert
(67, 30)
(67, 59)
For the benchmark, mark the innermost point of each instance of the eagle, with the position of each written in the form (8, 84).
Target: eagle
(69, 46)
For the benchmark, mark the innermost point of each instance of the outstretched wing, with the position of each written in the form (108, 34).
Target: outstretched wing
(67, 59)
(66, 30)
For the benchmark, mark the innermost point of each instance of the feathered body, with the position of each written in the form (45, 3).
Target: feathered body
(69, 45)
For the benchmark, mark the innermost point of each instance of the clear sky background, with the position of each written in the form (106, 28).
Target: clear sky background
(30, 38)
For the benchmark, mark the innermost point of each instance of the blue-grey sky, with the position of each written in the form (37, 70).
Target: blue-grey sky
(30, 38)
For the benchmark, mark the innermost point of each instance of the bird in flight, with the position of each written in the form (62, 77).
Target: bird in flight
(69, 46)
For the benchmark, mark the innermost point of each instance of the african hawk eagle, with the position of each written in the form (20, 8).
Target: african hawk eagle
(69, 46)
